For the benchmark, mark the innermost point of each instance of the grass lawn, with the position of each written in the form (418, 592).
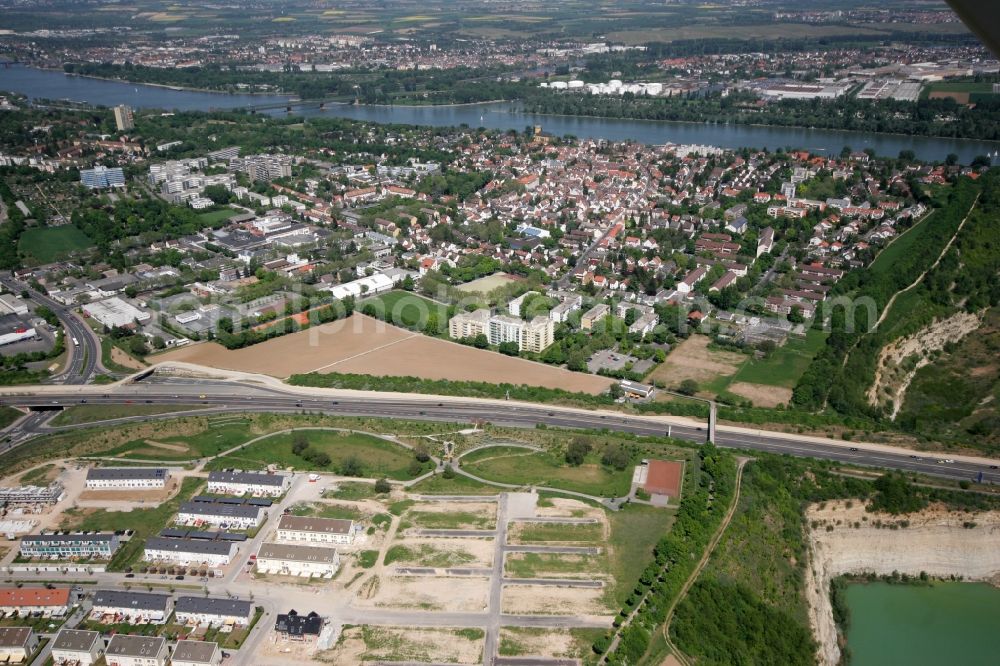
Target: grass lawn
(510, 465)
(324, 510)
(8, 415)
(145, 522)
(224, 434)
(452, 520)
(378, 457)
(588, 533)
(351, 491)
(634, 531)
(406, 309)
(459, 485)
(47, 244)
(786, 364)
(90, 413)
(902, 245)
(216, 216)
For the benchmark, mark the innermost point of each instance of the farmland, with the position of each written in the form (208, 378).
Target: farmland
(368, 346)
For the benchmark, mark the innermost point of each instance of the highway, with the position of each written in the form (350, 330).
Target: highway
(223, 396)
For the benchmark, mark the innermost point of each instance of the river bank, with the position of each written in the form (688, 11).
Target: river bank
(843, 539)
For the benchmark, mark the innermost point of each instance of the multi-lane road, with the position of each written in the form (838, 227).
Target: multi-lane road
(225, 396)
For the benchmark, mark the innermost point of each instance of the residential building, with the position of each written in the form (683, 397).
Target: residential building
(288, 560)
(469, 324)
(504, 328)
(538, 334)
(208, 610)
(766, 241)
(196, 653)
(315, 530)
(189, 552)
(137, 607)
(17, 644)
(34, 600)
(31, 495)
(263, 167)
(124, 650)
(235, 482)
(229, 516)
(80, 545)
(293, 626)
(123, 118)
(686, 285)
(127, 478)
(594, 315)
(101, 177)
(515, 305)
(74, 646)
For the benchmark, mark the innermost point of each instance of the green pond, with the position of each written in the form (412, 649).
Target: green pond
(939, 625)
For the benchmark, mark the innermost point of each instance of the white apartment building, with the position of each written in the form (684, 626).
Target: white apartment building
(189, 552)
(469, 324)
(126, 478)
(247, 483)
(315, 530)
(74, 646)
(196, 653)
(532, 336)
(124, 650)
(288, 560)
(208, 610)
(538, 334)
(229, 516)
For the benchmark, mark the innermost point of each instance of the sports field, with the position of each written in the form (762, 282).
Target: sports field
(485, 285)
(362, 345)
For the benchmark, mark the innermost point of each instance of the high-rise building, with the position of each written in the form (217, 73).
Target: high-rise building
(123, 118)
(101, 177)
(533, 336)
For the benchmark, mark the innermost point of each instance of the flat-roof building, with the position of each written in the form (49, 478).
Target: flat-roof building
(126, 478)
(315, 530)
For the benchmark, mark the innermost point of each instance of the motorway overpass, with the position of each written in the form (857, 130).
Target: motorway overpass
(229, 396)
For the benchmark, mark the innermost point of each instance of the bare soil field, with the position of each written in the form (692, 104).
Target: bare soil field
(557, 507)
(535, 642)
(154, 496)
(480, 551)
(124, 360)
(535, 600)
(428, 593)
(484, 285)
(692, 359)
(369, 643)
(363, 345)
(761, 395)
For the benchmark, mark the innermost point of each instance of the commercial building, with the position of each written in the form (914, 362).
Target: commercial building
(189, 552)
(115, 313)
(17, 644)
(126, 478)
(134, 607)
(235, 482)
(101, 177)
(307, 561)
(123, 118)
(34, 600)
(13, 304)
(293, 626)
(207, 610)
(79, 545)
(126, 650)
(636, 390)
(315, 530)
(225, 515)
(196, 653)
(73, 646)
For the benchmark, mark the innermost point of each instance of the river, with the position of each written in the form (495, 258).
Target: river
(55, 85)
(947, 623)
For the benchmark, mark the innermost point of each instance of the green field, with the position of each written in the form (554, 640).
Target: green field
(44, 245)
(216, 216)
(378, 457)
(452, 520)
(406, 309)
(553, 565)
(786, 364)
(8, 415)
(587, 533)
(145, 522)
(91, 413)
(634, 531)
(901, 246)
(519, 466)
(224, 433)
(458, 485)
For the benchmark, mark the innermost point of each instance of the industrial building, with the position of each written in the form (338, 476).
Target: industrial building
(115, 313)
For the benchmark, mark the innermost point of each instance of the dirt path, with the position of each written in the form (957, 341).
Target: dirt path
(676, 656)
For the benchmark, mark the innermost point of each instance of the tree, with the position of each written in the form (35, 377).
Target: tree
(481, 341)
(577, 451)
(352, 467)
(382, 486)
(895, 494)
(415, 468)
(688, 387)
(448, 473)
(616, 456)
(299, 443)
(509, 348)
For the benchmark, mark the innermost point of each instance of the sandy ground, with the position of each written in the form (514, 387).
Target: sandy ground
(123, 359)
(693, 360)
(132, 496)
(399, 643)
(480, 549)
(290, 652)
(553, 643)
(762, 395)
(587, 567)
(935, 542)
(364, 345)
(424, 594)
(892, 380)
(535, 600)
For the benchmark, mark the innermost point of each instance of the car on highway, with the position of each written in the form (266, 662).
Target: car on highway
(854, 448)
